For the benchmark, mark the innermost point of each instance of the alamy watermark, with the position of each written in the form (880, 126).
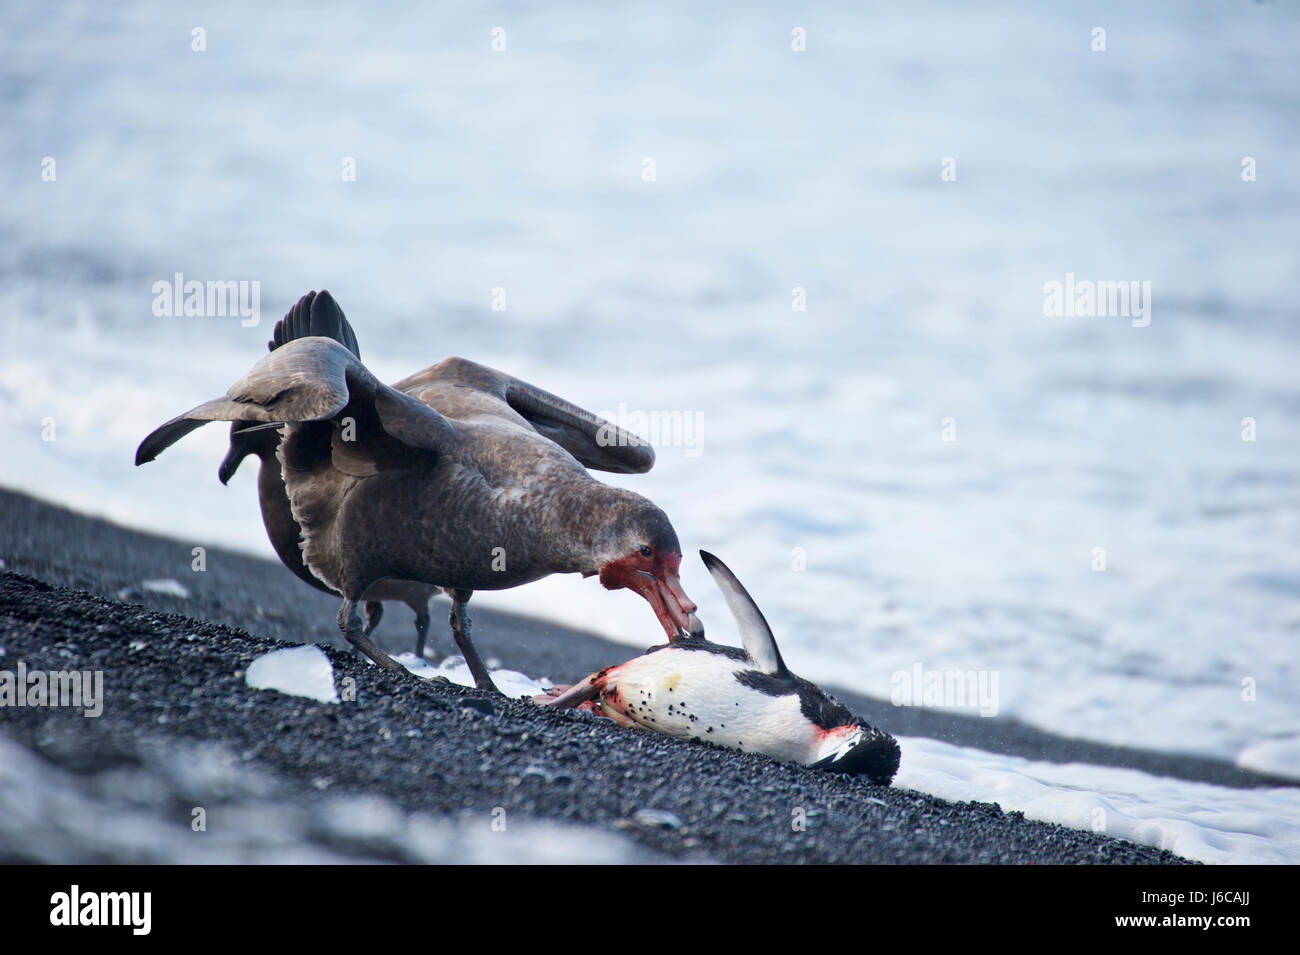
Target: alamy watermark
(176, 297)
(663, 429)
(132, 910)
(80, 689)
(946, 688)
(1089, 299)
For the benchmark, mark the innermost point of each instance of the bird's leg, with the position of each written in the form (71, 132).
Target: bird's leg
(350, 624)
(374, 613)
(421, 628)
(460, 630)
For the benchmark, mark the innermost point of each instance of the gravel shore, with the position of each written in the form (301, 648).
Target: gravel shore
(411, 770)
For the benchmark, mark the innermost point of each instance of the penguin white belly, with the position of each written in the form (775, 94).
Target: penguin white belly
(695, 694)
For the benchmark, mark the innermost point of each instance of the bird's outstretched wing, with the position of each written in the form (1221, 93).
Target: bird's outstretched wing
(318, 379)
(463, 389)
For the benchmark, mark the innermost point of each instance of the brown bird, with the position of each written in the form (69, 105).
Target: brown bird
(460, 477)
(316, 315)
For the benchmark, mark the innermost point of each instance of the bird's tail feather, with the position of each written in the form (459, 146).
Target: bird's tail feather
(316, 314)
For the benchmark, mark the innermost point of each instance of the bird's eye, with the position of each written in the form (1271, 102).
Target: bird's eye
(645, 550)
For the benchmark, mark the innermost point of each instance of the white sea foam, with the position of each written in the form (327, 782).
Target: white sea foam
(1280, 757)
(306, 671)
(167, 587)
(511, 683)
(1196, 820)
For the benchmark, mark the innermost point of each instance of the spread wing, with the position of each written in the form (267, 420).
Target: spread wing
(462, 389)
(319, 379)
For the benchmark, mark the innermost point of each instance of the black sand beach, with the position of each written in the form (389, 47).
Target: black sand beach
(410, 770)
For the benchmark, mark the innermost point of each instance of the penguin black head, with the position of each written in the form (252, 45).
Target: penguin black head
(864, 751)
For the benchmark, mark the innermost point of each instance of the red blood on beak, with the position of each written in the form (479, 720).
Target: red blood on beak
(656, 580)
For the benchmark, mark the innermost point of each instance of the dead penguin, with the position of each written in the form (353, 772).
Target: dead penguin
(742, 699)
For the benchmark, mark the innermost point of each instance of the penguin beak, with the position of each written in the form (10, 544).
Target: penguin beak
(859, 750)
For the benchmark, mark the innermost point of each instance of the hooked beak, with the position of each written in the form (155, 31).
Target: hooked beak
(229, 465)
(675, 610)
